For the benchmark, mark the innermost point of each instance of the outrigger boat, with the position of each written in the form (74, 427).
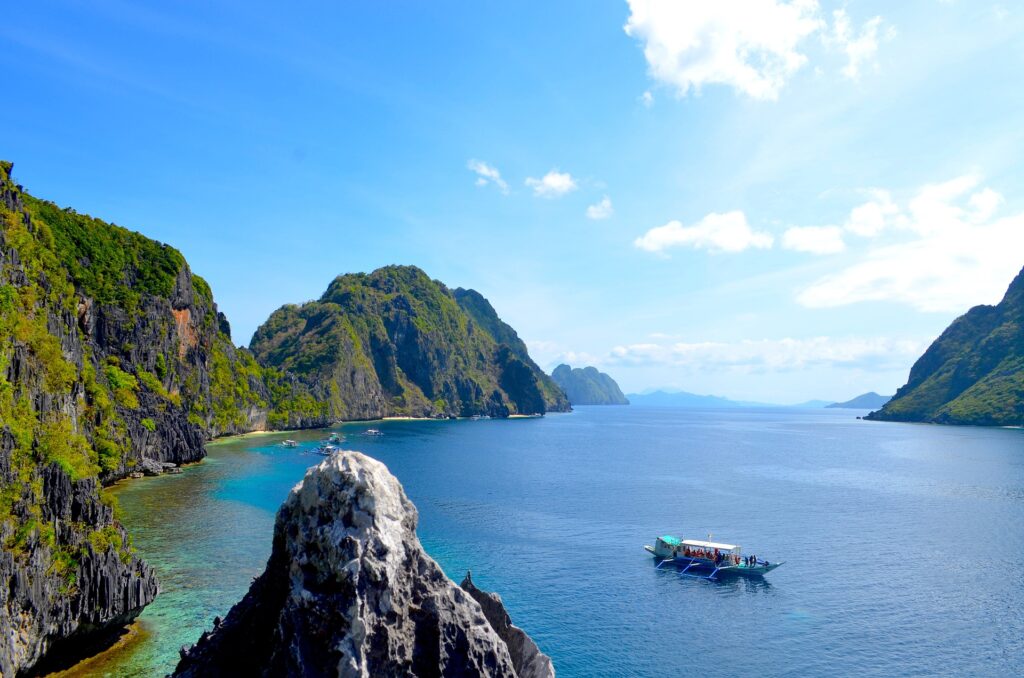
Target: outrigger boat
(372, 432)
(696, 557)
(326, 450)
(334, 438)
(289, 443)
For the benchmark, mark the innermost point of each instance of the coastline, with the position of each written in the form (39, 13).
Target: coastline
(267, 432)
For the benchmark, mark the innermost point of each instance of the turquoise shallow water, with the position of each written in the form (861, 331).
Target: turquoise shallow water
(904, 544)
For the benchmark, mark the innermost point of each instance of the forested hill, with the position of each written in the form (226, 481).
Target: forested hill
(973, 373)
(588, 386)
(394, 342)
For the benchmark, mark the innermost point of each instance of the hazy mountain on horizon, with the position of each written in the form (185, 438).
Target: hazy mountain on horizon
(865, 401)
(653, 397)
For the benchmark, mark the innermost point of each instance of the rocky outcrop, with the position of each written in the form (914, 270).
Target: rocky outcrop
(395, 342)
(973, 373)
(349, 591)
(71, 586)
(587, 386)
(527, 659)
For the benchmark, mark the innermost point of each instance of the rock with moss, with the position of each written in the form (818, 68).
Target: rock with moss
(973, 373)
(394, 342)
(587, 386)
(112, 358)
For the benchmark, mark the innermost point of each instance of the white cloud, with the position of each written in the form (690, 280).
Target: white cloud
(750, 45)
(647, 99)
(871, 218)
(859, 48)
(554, 184)
(716, 232)
(814, 239)
(601, 210)
(769, 354)
(956, 255)
(487, 174)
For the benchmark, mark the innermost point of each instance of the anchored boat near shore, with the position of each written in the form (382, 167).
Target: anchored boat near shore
(698, 557)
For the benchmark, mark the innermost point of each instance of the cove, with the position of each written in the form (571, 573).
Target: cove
(901, 541)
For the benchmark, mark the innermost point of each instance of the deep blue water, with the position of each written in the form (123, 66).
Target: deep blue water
(904, 544)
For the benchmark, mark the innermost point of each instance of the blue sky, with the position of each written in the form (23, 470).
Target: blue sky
(760, 199)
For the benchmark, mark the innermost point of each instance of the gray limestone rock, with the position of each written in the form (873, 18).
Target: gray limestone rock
(349, 591)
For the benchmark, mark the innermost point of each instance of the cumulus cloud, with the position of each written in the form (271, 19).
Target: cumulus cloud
(763, 355)
(487, 174)
(601, 210)
(554, 184)
(953, 254)
(871, 218)
(751, 45)
(814, 239)
(716, 232)
(859, 47)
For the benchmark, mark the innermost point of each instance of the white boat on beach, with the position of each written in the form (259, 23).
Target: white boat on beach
(697, 557)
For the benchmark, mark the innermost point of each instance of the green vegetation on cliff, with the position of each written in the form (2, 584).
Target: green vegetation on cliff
(587, 386)
(395, 342)
(973, 373)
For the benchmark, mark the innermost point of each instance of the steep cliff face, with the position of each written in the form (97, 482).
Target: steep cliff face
(973, 373)
(587, 386)
(527, 659)
(395, 342)
(113, 360)
(481, 311)
(69, 414)
(349, 591)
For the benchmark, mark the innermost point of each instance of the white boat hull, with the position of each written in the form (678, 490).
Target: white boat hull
(703, 564)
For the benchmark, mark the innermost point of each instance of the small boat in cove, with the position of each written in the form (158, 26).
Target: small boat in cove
(698, 558)
(289, 443)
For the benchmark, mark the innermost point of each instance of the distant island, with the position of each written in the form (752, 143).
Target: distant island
(865, 401)
(588, 386)
(973, 373)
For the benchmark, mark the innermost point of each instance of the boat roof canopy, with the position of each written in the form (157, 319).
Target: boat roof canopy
(708, 545)
(670, 540)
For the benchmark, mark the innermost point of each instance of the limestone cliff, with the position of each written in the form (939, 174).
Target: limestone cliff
(395, 342)
(349, 591)
(113, 361)
(587, 386)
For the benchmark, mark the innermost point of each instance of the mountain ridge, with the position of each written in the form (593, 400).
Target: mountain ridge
(865, 401)
(588, 386)
(973, 373)
(394, 342)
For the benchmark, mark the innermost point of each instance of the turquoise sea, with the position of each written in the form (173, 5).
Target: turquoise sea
(904, 544)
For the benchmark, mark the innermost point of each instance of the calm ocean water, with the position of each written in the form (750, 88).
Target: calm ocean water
(904, 544)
